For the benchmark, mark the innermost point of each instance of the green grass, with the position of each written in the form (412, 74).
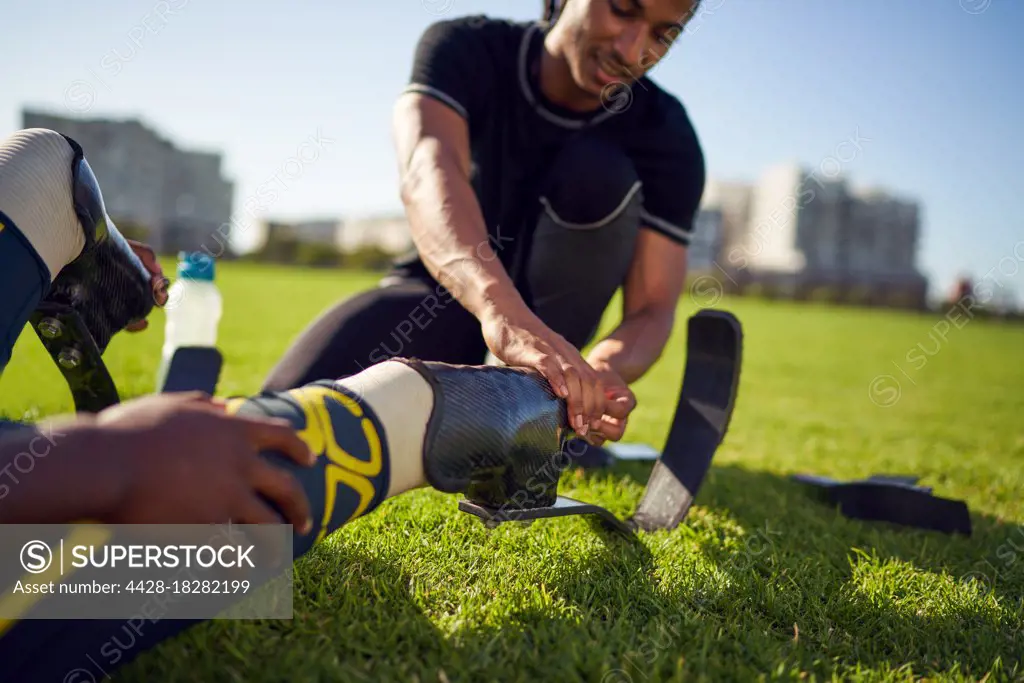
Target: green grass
(760, 581)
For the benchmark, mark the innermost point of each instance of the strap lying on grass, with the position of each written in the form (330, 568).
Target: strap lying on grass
(894, 499)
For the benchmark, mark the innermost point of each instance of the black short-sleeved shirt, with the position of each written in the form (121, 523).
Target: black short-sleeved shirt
(484, 69)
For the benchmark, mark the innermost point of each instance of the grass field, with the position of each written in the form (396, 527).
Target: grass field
(760, 581)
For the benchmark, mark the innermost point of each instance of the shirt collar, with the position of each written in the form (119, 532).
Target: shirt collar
(529, 52)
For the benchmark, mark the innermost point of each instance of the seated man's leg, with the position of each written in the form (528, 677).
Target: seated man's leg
(39, 231)
(414, 318)
(584, 240)
(495, 434)
(23, 281)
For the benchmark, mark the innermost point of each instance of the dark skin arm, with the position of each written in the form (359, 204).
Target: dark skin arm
(432, 144)
(162, 459)
(651, 293)
(448, 228)
(80, 485)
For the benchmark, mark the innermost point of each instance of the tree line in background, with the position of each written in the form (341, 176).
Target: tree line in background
(296, 252)
(965, 299)
(280, 249)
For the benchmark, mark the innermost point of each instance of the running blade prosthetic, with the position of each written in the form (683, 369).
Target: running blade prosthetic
(91, 299)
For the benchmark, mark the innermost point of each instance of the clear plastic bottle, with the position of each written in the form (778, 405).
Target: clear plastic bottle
(193, 308)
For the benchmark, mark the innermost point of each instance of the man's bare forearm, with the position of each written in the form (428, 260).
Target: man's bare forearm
(635, 345)
(450, 234)
(447, 225)
(53, 474)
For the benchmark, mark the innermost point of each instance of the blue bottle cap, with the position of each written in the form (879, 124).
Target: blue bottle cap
(195, 265)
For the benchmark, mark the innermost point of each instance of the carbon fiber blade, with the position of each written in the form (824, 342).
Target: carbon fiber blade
(72, 347)
(706, 401)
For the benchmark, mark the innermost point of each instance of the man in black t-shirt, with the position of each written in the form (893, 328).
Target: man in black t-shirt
(541, 169)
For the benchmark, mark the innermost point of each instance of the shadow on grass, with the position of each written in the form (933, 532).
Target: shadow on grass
(853, 592)
(761, 579)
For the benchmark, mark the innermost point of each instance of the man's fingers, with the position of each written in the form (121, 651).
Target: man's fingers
(277, 434)
(593, 396)
(552, 372)
(575, 403)
(251, 510)
(148, 257)
(283, 490)
(620, 407)
(611, 429)
(160, 286)
(137, 326)
(590, 391)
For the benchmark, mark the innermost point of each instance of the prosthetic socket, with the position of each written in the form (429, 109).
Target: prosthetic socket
(496, 434)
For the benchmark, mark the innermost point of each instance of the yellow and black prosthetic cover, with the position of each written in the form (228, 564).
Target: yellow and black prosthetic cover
(351, 474)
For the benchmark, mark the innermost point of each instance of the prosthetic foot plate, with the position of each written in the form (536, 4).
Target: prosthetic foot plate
(563, 507)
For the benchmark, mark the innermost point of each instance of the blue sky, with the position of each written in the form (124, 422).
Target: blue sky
(935, 86)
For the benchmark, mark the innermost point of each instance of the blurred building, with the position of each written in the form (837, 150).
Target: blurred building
(324, 232)
(180, 199)
(705, 242)
(804, 234)
(389, 233)
(732, 202)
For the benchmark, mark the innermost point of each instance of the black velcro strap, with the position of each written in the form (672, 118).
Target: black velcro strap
(896, 500)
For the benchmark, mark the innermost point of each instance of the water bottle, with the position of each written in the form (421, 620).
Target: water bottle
(193, 308)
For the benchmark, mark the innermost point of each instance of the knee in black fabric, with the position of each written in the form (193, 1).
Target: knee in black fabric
(584, 240)
(590, 184)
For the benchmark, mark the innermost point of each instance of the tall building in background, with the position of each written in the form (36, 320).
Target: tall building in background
(798, 231)
(731, 200)
(179, 198)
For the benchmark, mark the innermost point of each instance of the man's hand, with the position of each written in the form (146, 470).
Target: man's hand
(184, 460)
(521, 339)
(158, 281)
(619, 403)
